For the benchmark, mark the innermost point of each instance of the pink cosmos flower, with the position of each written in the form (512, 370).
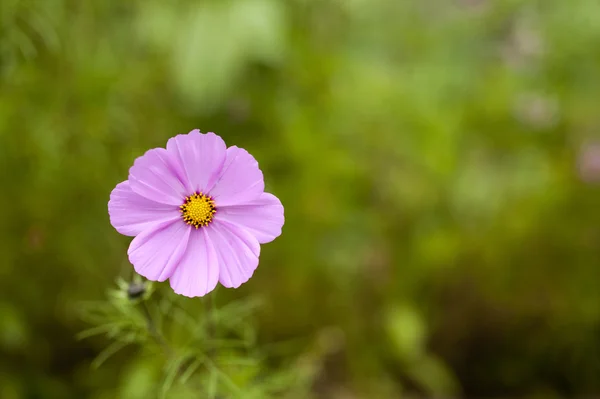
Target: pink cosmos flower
(198, 212)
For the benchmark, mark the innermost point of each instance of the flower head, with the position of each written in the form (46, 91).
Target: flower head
(198, 212)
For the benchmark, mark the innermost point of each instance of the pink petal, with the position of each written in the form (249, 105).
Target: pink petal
(262, 217)
(130, 213)
(201, 157)
(237, 251)
(154, 176)
(240, 181)
(198, 271)
(156, 252)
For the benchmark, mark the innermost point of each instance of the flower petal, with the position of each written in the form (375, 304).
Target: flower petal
(198, 271)
(240, 180)
(200, 156)
(237, 251)
(154, 176)
(262, 217)
(156, 252)
(130, 213)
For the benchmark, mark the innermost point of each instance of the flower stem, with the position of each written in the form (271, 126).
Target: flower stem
(210, 311)
(154, 331)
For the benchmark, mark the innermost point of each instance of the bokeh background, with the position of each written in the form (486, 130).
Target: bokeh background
(438, 160)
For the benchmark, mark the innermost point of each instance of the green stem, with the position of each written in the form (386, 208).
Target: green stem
(154, 331)
(209, 307)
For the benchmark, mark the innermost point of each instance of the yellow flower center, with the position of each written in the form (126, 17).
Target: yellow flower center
(198, 210)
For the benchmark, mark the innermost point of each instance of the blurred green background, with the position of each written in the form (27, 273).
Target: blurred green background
(438, 160)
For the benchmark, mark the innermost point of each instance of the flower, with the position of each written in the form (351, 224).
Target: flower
(198, 212)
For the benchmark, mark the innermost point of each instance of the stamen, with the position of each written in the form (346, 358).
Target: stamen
(198, 210)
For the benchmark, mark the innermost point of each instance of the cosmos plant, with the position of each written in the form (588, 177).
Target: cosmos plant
(198, 212)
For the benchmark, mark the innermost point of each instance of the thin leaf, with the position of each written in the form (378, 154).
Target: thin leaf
(224, 377)
(190, 370)
(172, 371)
(105, 328)
(108, 352)
(212, 384)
